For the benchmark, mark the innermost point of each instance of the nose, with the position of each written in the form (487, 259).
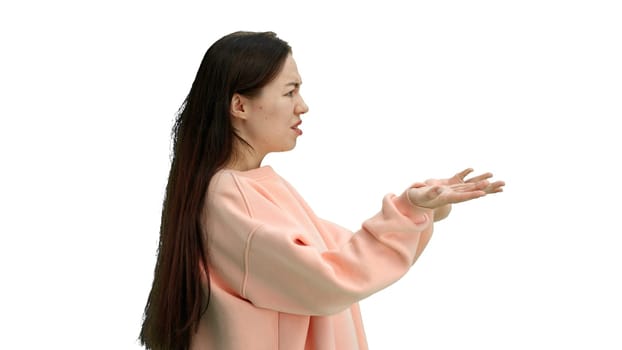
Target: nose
(301, 107)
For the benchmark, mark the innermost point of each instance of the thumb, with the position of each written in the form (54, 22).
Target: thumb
(422, 197)
(433, 192)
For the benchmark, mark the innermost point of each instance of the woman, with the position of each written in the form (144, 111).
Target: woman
(243, 262)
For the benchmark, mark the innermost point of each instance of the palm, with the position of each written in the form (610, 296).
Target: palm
(438, 193)
(459, 178)
(436, 196)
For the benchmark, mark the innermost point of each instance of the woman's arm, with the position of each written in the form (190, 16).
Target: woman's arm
(275, 264)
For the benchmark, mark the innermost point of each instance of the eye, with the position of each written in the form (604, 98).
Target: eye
(290, 94)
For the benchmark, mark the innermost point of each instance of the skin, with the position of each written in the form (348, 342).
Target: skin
(439, 194)
(269, 123)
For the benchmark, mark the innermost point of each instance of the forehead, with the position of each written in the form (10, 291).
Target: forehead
(289, 72)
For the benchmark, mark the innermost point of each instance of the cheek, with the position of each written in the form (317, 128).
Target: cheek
(267, 112)
(265, 115)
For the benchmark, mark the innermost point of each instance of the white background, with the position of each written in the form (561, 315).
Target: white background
(398, 93)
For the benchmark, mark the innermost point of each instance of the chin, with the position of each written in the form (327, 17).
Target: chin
(288, 147)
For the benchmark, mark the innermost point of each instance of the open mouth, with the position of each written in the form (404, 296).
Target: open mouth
(297, 129)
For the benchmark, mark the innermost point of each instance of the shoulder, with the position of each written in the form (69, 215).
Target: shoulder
(228, 180)
(225, 192)
(243, 189)
(222, 182)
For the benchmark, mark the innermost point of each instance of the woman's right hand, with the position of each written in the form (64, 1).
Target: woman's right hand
(435, 196)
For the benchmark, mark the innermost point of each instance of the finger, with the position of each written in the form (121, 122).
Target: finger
(422, 196)
(481, 177)
(459, 177)
(471, 186)
(432, 192)
(495, 187)
(459, 197)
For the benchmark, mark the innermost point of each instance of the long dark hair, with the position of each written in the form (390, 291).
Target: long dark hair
(203, 142)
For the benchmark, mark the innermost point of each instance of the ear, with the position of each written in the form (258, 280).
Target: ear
(238, 107)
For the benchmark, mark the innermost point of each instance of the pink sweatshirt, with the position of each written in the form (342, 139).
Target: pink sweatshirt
(282, 278)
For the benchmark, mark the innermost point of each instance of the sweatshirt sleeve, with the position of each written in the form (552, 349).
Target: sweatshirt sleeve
(276, 265)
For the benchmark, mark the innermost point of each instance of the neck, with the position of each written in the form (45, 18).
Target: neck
(244, 158)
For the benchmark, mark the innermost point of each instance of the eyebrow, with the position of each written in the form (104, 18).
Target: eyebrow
(294, 84)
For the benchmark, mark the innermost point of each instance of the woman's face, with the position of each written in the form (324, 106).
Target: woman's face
(272, 118)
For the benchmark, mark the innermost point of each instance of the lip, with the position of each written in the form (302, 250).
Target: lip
(296, 129)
